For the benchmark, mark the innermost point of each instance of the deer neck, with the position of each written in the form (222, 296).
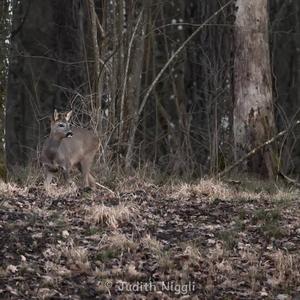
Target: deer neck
(52, 147)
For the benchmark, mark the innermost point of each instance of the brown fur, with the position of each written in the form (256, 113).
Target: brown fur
(64, 153)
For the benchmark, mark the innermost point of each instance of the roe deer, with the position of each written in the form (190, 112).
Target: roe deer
(67, 148)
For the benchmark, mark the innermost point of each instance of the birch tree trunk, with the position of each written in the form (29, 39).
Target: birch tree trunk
(253, 109)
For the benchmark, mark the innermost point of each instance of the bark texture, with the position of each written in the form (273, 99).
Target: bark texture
(253, 109)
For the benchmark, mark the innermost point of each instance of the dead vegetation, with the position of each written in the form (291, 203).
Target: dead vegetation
(206, 240)
(110, 216)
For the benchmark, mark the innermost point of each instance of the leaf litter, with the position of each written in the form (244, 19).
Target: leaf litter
(215, 242)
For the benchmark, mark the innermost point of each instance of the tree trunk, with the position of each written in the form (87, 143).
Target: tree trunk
(4, 33)
(253, 110)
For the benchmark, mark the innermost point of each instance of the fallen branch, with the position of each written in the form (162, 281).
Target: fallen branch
(255, 150)
(289, 180)
(105, 188)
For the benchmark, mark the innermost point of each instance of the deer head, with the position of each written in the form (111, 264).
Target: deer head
(60, 127)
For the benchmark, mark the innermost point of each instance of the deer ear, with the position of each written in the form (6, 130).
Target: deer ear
(55, 115)
(68, 115)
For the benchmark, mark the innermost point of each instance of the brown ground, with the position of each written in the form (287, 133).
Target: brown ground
(200, 241)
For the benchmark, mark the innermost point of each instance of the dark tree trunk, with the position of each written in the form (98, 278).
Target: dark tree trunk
(285, 44)
(4, 34)
(46, 68)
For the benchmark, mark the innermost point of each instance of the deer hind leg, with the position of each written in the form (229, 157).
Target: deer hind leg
(85, 166)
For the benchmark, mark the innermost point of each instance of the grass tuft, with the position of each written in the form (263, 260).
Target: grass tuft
(110, 216)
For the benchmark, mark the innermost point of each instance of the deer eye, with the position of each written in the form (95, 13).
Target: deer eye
(61, 125)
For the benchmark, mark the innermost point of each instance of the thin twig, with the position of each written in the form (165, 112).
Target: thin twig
(105, 188)
(127, 69)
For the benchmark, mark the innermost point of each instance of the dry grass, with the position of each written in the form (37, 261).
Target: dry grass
(189, 259)
(11, 189)
(166, 264)
(76, 259)
(132, 274)
(286, 195)
(212, 189)
(208, 188)
(62, 190)
(120, 242)
(56, 272)
(111, 216)
(170, 233)
(152, 244)
(132, 183)
(287, 268)
(144, 178)
(193, 254)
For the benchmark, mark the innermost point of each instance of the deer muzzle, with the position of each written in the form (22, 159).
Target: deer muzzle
(69, 134)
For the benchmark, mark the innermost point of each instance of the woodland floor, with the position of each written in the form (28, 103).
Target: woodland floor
(190, 241)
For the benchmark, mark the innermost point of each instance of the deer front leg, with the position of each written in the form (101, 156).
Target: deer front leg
(48, 179)
(66, 174)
